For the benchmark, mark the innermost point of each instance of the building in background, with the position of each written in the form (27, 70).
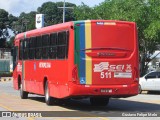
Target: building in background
(5, 60)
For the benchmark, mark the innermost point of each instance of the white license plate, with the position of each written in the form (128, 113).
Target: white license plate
(106, 90)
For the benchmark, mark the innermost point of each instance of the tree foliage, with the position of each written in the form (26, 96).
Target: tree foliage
(83, 12)
(4, 23)
(53, 14)
(25, 22)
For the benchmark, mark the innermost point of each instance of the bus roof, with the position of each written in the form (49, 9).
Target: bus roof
(61, 26)
(44, 30)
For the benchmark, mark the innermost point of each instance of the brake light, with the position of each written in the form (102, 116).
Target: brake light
(136, 75)
(75, 74)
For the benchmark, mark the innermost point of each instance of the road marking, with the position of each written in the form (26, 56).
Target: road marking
(144, 101)
(7, 108)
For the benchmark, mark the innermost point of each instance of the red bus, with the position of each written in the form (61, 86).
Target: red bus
(97, 59)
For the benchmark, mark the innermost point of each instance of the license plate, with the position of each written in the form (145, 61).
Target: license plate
(106, 90)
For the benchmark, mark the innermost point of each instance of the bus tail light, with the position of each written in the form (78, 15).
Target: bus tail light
(75, 74)
(136, 75)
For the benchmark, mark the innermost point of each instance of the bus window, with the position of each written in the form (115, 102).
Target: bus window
(62, 45)
(67, 43)
(32, 48)
(21, 50)
(53, 46)
(38, 46)
(45, 48)
(15, 56)
(25, 52)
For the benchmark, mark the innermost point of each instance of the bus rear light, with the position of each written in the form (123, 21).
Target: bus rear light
(136, 75)
(75, 73)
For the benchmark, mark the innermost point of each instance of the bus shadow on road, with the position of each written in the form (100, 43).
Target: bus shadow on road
(114, 105)
(152, 93)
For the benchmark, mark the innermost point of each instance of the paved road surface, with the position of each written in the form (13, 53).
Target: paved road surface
(140, 105)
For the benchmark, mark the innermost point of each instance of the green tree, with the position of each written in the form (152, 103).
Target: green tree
(83, 12)
(25, 22)
(12, 23)
(4, 23)
(53, 14)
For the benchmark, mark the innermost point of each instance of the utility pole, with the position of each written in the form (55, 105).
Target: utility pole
(64, 9)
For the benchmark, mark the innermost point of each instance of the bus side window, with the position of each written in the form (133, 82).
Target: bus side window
(53, 46)
(21, 50)
(45, 48)
(62, 51)
(67, 43)
(15, 57)
(32, 48)
(38, 46)
(25, 50)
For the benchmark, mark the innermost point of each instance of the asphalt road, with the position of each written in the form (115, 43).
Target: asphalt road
(137, 108)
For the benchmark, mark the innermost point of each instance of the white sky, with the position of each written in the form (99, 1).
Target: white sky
(15, 7)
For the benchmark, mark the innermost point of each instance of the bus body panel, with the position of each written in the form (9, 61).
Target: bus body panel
(106, 53)
(103, 90)
(99, 61)
(35, 71)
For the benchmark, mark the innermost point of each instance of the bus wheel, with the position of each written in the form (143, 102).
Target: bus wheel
(23, 94)
(48, 99)
(99, 101)
(139, 89)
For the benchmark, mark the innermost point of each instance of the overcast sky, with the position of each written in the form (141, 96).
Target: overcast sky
(15, 7)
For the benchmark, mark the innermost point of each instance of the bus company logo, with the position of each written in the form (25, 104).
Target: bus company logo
(104, 54)
(101, 66)
(100, 23)
(38, 19)
(44, 65)
(106, 66)
(128, 68)
(19, 67)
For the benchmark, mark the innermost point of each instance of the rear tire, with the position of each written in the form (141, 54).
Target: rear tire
(49, 100)
(99, 101)
(23, 94)
(139, 89)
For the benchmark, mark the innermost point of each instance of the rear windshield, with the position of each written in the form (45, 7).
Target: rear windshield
(120, 36)
(116, 36)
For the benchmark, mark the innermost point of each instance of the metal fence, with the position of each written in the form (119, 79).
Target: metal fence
(5, 60)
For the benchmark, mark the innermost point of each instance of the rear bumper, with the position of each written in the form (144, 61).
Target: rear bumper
(96, 90)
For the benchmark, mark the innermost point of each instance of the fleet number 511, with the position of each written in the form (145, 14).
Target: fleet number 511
(105, 75)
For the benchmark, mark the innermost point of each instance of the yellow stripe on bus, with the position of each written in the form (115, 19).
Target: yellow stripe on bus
(88, 45)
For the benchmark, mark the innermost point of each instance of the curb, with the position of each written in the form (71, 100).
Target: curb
(5, 79)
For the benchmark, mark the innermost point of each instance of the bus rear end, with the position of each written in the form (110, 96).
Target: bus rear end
(105, 59)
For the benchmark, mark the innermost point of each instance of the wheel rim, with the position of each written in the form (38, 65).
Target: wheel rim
(139, 89)
(21, 89)
(47, 94)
